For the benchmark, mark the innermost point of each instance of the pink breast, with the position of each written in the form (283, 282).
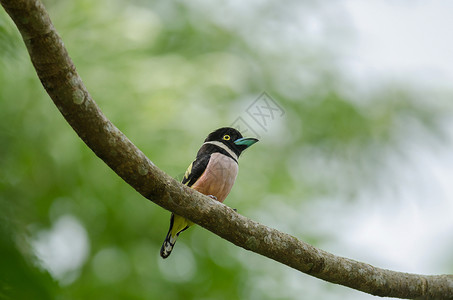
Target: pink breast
(218, 178)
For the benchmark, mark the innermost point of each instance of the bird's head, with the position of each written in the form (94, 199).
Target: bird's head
(231, 138)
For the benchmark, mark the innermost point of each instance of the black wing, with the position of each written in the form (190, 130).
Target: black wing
(196, 168)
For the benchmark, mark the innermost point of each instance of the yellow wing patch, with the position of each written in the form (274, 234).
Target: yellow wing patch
(187, 174)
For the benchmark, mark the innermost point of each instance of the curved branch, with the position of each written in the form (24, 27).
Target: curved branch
(61, 81)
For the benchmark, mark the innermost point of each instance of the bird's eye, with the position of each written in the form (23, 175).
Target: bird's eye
(226, 137)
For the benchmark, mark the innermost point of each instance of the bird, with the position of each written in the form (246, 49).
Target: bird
(212, 173)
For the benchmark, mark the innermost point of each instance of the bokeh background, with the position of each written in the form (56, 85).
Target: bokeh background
(358, 161)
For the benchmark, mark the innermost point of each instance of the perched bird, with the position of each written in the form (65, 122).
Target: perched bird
(212, 173)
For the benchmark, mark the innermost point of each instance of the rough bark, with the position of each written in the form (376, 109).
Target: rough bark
(59, 77)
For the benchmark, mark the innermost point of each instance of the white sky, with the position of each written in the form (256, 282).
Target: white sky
(410, 39)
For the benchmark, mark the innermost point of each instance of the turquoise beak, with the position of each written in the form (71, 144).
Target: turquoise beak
(247, 142)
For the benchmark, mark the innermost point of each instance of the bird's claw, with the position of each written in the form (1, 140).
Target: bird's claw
(235, 209)
(212, 197)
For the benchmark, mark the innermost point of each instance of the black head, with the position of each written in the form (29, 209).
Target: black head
(231, 138)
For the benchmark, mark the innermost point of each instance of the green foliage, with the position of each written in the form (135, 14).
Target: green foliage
(166, 75)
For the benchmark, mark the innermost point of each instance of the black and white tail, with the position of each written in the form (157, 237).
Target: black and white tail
(167, 246)
(172, 235)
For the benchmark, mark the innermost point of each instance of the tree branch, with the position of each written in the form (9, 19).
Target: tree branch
(59, 77)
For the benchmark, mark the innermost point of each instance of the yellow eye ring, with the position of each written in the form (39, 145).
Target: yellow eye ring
(226, 137)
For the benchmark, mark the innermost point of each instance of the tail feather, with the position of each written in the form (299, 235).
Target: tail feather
(175, 229)
(167, 246)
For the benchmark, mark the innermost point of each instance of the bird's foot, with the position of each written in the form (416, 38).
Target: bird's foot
(235, 209)
(212, 197)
